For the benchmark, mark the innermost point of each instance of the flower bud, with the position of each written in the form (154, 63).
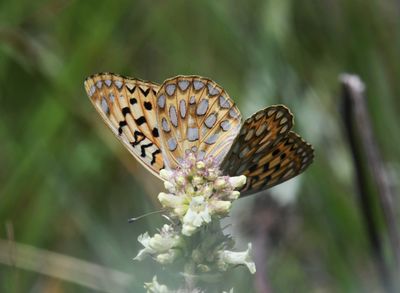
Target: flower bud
(169, 257)
(197, 180)
(166, 174)
(212, 174)
(207, 191)
(180, 180)
(200, 165)
(221, 206)
(237, 181)
(234, 195)
(169, 186)
(220, 183)
(169, 200)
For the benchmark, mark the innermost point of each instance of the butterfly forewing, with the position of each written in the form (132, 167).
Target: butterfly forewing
(195, 115)
(266, 151)
(128, 106)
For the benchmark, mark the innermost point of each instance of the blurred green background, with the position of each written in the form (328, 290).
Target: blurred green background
(68, 186)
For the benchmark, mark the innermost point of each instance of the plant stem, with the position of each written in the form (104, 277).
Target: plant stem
(363, 144)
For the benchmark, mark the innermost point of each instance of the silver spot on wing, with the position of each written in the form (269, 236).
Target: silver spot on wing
(170, 89)
(210, 120)
(193, 134)
(118, 84)
(172, 144)
(233, 113)
(182, 108)
(271, 112)
(249, 135)
(283, 129)
(202, 107)
(224, 103)
(225, 125)
(283, 120)
(212, 138)
(259, 115)
(261, 129)
(161, 101)
(104, 106)
(183, 84)
(197, 84)
(165, 125)
(173, 116)
(212, 90)
(92, 90)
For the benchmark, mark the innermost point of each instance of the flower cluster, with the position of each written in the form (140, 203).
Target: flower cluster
(198, 195)
(197, 192)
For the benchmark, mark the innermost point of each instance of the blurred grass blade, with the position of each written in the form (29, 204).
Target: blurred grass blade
(64, 267)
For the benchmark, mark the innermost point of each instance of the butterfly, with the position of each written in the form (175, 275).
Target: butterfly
(159, 124)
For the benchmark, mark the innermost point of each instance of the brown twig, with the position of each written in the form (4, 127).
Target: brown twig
(362, 143)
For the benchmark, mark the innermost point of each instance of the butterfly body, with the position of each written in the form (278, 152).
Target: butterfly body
(159, 125)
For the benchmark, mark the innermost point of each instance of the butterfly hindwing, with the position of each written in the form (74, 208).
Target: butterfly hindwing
(128, 106)
(266, 151)
(195, 115)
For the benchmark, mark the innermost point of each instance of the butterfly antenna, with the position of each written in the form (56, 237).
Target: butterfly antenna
(168, 219)
(131, 220)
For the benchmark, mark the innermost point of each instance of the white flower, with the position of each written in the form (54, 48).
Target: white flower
(144, 239)
(163, 246)
(196, 215)
(228, 258)
(156, 287)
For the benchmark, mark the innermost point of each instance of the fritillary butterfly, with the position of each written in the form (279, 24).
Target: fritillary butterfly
(159, 124)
